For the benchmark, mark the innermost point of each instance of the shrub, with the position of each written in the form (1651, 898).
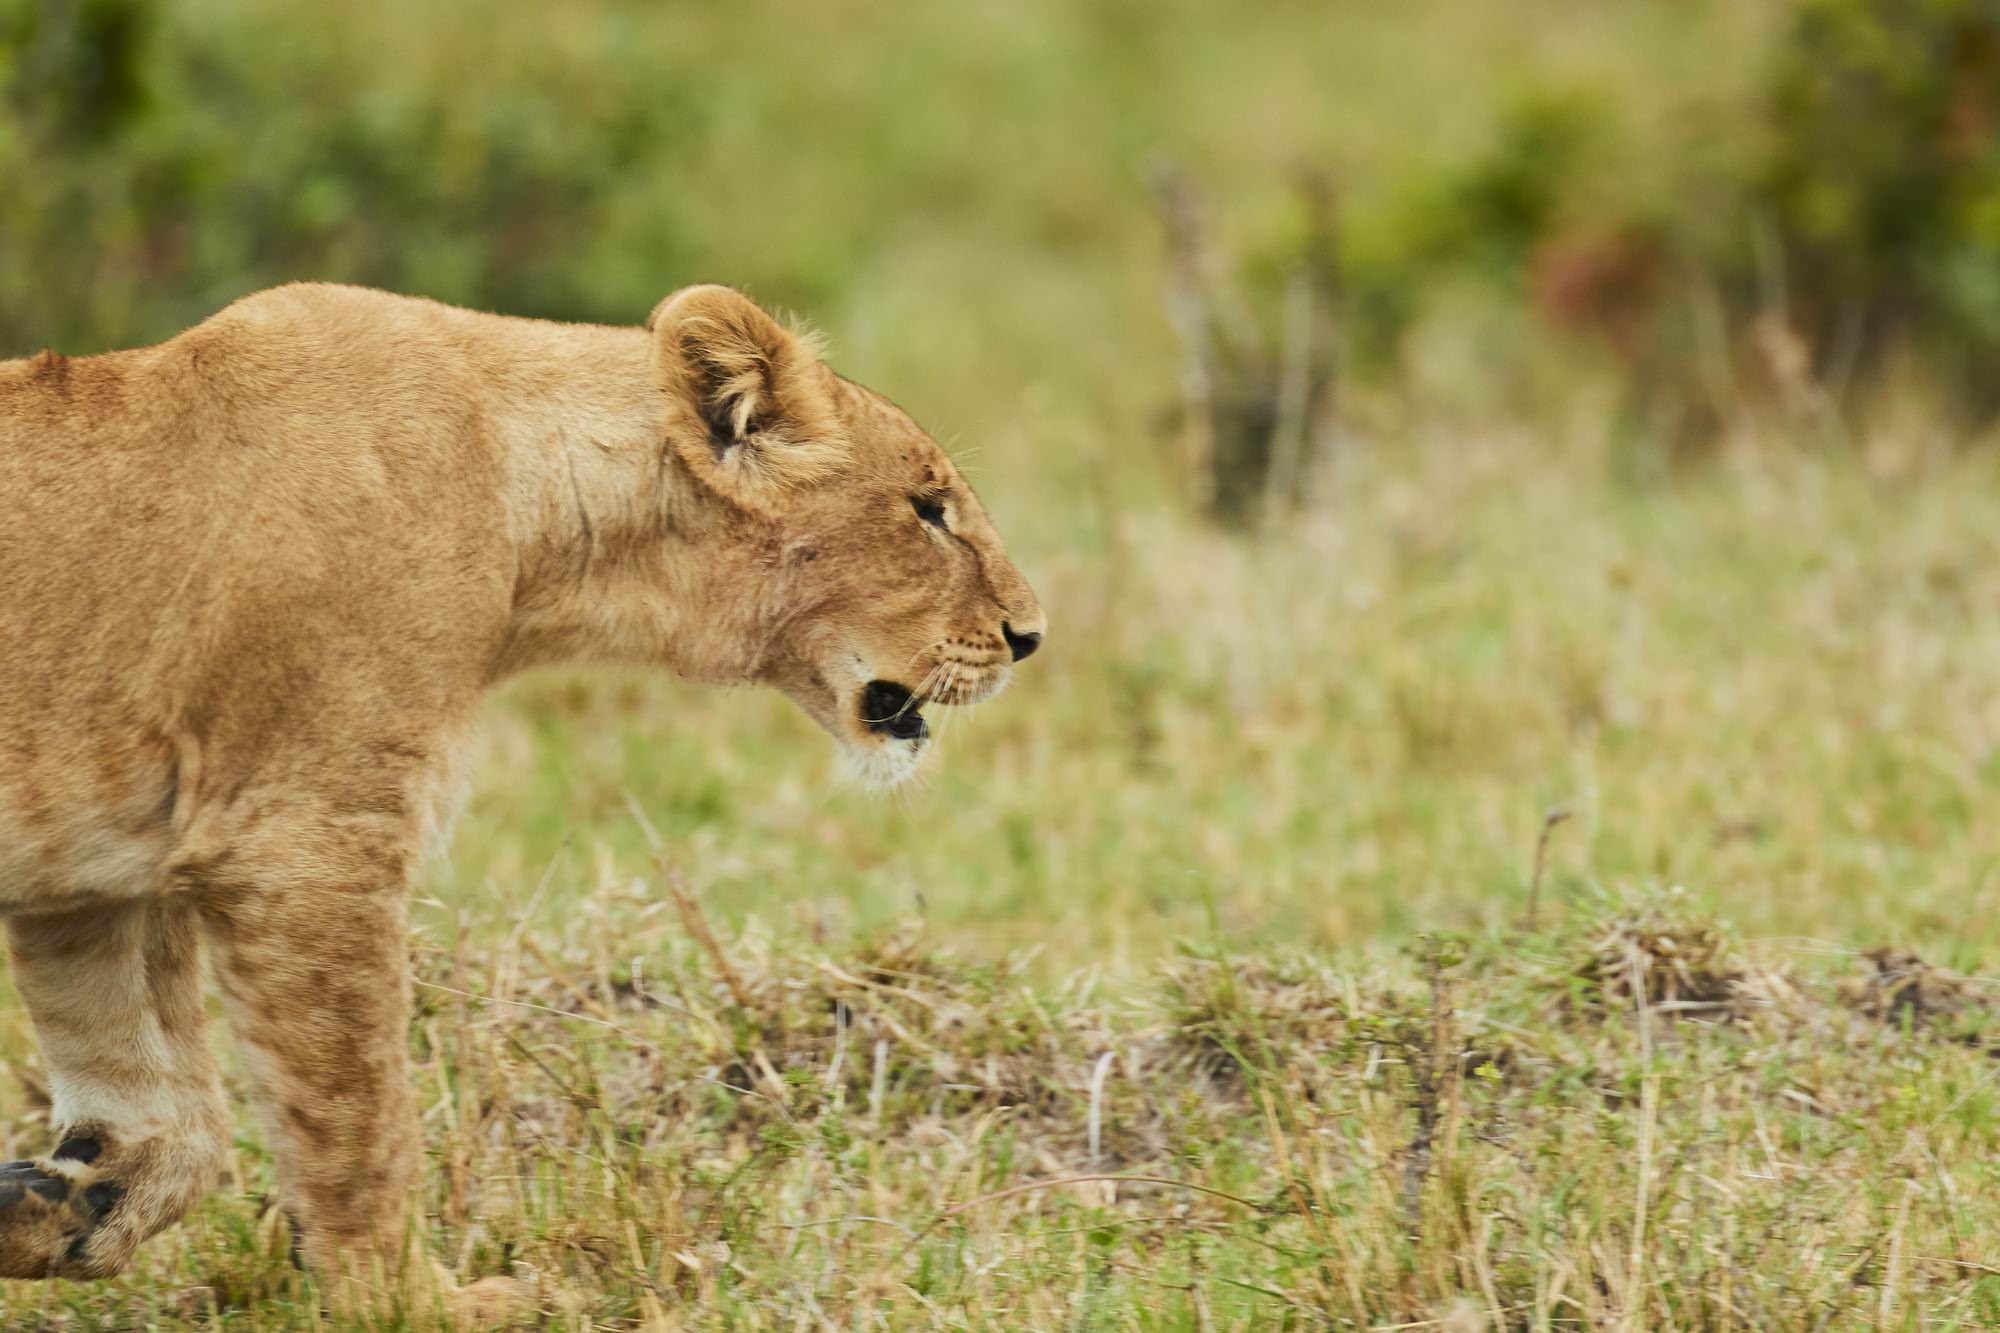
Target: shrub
(160, 164)
(1884, 186)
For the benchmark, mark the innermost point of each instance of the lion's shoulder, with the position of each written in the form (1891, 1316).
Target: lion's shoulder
(315, 316)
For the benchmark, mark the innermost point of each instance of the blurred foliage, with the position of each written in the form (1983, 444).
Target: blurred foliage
(1854, 218)
(1884, 183)
(1769, 253)
(1259, 398)
(972, 168)
(154, 175)
(1742, 204)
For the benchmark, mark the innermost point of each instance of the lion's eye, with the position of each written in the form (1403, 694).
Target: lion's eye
(929, 509)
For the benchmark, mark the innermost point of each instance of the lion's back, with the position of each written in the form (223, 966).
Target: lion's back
(306, 455)
(289, 430)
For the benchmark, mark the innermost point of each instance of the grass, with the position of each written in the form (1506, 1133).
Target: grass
(891, 1136)
(1237, 877)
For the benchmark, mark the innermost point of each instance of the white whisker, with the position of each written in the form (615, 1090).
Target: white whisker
(953, 687)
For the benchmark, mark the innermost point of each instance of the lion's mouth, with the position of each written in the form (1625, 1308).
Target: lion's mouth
(893, 710)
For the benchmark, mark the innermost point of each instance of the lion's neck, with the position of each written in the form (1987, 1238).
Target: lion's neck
(608, 536)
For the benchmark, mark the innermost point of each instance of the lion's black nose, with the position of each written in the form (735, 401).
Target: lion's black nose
(1019, 644)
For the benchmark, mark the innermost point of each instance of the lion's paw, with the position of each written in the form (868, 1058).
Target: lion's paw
(50, 1210)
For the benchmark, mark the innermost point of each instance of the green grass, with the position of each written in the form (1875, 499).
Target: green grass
(1259, 822)
(890, 1136)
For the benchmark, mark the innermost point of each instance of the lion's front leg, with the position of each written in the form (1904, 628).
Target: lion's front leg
(307, 925)
(138, 1112)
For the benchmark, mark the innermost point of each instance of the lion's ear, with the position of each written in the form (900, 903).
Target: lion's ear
(752, 389)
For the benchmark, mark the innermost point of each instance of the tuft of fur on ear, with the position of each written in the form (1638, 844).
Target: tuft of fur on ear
(753, 390)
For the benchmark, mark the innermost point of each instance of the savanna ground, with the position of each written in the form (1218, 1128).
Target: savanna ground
(1225, 905)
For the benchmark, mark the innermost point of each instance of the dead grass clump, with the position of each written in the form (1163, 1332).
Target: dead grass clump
(1672, 963)
(1905, 991)
(1676, 965)
(1232, 1015)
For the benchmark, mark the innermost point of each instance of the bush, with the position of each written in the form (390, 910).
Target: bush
(1793, 246)
(1884, 186)
(1856, 223)
(157, 169)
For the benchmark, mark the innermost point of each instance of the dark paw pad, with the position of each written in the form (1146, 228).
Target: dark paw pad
(45, 1217)
(20, 1179)
(83, 1150)
(101, 1198)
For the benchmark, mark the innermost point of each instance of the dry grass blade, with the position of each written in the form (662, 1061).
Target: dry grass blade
(697, 926)
(1549, 822)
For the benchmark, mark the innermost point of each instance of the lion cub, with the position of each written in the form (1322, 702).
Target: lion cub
(253, 582)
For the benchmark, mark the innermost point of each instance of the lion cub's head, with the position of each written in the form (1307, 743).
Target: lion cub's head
(879, 585)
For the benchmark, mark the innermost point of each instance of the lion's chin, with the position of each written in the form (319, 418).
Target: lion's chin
(882, 764)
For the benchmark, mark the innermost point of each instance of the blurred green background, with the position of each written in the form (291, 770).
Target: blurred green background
(1659, 343)
(1625, 168)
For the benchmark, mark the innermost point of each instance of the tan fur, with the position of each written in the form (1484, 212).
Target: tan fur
(253, 582)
